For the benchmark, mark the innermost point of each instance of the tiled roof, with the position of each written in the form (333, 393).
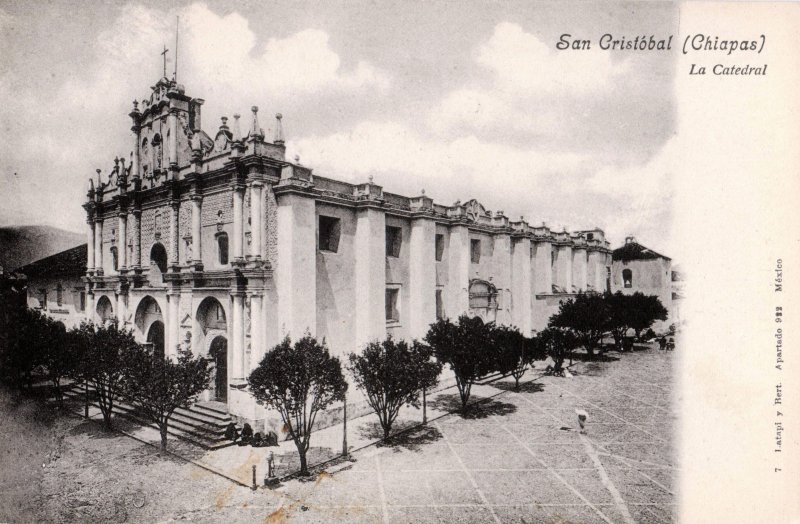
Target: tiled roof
(635, 251)
(69, 263)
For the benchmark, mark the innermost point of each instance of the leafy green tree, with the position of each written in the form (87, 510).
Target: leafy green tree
(587, 315)
(467, 347)
(157, 386)
(102, 350)
(59, 356)
(557, 343)
(620, 316)
(299, 380)
(35, 344)
(515, 352)
(645, 310)
(392, 374)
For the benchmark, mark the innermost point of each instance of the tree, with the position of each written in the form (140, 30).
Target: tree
(102, 349)
(59, 356)
(620, 316)
(392, 374)
(298, 380)
(514, 352)
(25, 346)
(645, 310)
(556, 343)
(157, 386)
(467, 347)
(587, 315)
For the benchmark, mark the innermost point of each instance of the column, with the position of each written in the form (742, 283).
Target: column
(256, 329)
(197, 238)
(236, 369)
(137, 158)
(171, 325)
(256, 225)
(238, 229)
(90, 242)
(521, 285)
(421, 276)
(173, 137)
(137, 238)
(370, 276)
(564, 271)
(122, 251)
(173, 232)
(121, 307)
(458, 272)
(295, 275)
(501, 269)
(579, 268)
(98, 247)
(544, 267)
(89, 313)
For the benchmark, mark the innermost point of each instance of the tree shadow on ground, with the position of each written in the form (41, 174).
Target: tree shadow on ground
(288, 464)
(406, 434)
(584, 357)
(478, 407)
(525, 387)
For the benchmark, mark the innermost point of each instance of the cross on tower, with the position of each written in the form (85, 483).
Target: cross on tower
(164, 54)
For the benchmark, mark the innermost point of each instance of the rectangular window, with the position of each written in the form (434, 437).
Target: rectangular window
(222, 248)
(475, 250)
(439, 247)
(59, 294)
(330, 230)
(392, 307)
(439, 305)
(394, 238)
(43, 300)
(83, 301)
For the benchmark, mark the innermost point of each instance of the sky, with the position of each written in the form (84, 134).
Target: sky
(462, 100)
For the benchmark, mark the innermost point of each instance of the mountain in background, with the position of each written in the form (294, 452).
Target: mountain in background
(20, 245)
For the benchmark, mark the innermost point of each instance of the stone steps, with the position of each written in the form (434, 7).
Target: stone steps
(201, 424)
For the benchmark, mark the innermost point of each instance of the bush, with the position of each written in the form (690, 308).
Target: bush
(515, 352)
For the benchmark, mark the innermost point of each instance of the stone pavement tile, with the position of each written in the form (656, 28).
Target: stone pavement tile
(357, 515)
(666, 477)
(604, 432)
(508, 455)
(439, 514)
(589, 484)
(653, 514)
(560, 456)
(413, 488)
(654, 452)
(538, 514)
(636, 489)
(345, 489)
(595, 415)
(541, 433)
(526, 487)
(467, 433)
(435, 456)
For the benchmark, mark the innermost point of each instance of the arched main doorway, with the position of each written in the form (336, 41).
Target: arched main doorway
(150, 324)
(219, 353)
(105, 311)
(483, 300)
(155, 337)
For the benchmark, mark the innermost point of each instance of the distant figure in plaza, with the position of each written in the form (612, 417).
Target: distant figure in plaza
(582, 416)
(662, 343)
(671, 344)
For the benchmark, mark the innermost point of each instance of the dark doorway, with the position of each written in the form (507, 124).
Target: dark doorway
(219, 352)
(155, 336)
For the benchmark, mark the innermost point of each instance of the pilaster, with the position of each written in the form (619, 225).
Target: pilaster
(295, 275)
(458, 270)
(238, 226)
(90, 243)
(543, 255)
(122, 250)
(422, 276)
(521, 285)
(579, 268)
(501, 269)
(98, 248)
(370, 275)
(256, 223)
(564, 268)
(197, 234)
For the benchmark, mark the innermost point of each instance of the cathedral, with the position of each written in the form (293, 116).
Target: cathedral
(219, 243)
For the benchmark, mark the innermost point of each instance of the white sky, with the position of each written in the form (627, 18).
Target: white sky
(463, 100)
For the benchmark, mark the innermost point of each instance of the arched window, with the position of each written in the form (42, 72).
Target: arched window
(222, 248)
(158, 256)
(114, 258)
(157, 151)
(627, 278)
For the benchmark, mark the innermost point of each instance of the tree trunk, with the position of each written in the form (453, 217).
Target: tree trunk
(163, 430)
(424, 407)
(386, 430)
(303, 463)
(516, 383)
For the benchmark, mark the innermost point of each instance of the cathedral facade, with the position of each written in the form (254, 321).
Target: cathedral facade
(220, 244)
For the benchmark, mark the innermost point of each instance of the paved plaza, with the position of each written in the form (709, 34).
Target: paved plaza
(519, 457)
